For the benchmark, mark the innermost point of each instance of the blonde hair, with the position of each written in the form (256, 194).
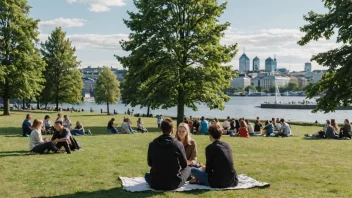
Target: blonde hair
(36, 123)
(188, 135)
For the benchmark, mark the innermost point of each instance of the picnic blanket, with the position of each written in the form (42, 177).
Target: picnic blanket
(138, 184)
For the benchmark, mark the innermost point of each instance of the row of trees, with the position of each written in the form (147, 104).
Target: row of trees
(49, 74)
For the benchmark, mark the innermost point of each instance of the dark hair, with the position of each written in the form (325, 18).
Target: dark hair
(282, 120)
(46, 117)
(228, 117)
(267, 122)
(273, 119)
(59, 122)
(328, 122)
(347, 121)
(28, 115)
(166, 126)
(216, 120)
(247, 121)
(202, 118)
(215, 132)
(112, 119)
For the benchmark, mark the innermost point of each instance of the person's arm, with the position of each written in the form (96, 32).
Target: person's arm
(126, 128)
(194, 152)
(182, 156)
(150, 154)
(65, 138)
(37, 137)
(209, 160)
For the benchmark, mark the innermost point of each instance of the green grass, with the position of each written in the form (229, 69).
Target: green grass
(294, 167)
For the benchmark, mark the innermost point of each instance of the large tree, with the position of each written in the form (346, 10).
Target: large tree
(63, 79)
(107, 89)
(176, 58)
(337, 82)
(20, 62)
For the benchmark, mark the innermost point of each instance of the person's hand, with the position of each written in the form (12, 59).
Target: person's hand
(55, 141)
(203, 168)
(189, 163)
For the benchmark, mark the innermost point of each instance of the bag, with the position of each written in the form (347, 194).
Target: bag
(75, 145)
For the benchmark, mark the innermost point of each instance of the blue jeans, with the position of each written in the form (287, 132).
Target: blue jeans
(113, 130)
(200, 175)
(77, 132)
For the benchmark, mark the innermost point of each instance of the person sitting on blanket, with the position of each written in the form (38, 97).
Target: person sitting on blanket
(345, 132)
(61, 137)
(38, 144)
(219, 171)
(183, 135)
(26, 126)
(112, 126)
(285, 130)
(330, 132)
(167, 159)
(243, 131)
(269, 128)
(78, 130)
(140, 126)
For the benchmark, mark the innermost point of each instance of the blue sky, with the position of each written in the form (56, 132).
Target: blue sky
(263, 27)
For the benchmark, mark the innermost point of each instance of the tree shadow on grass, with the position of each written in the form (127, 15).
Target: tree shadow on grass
(104, 131)
(11, 131)
(15, 153)
(120, 192)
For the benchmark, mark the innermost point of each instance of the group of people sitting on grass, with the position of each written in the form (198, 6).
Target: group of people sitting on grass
(331, 130)
(242, 127)
(61, 138)
(47, 127)
(126, 126)
(173, 160)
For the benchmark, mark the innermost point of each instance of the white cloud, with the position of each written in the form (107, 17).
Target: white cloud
(63, 22)
(279, 42)
(100, 5)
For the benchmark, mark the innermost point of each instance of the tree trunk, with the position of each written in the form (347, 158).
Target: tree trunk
(180, 107)
(23, 104)
(6, 106)
(148, 111)
(38, 104)
(107, 105)
(57, 103)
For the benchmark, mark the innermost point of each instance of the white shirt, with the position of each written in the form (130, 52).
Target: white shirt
(67, 124)
(278, 126)
(226, 124)
(250, 129)
(35, 139)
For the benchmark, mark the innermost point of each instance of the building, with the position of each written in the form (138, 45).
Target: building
(282, 70)
(270, 80)
(293, 79)
(308, 67)
(275, 63)
(242, 81)
(256, 64)
(244, 63)
(302, 82)
(269, 65)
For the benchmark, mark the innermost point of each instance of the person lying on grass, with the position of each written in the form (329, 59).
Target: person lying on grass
(61, 137)
(219, 171)
(183, 135)
(38, 144)
(167, 159)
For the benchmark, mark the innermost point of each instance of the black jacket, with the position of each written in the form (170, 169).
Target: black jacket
(219, 165)
(166, 157)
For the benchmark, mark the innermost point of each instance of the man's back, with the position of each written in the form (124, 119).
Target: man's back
(286, 129)
(166, 157)
(204, 125)
(219, 165)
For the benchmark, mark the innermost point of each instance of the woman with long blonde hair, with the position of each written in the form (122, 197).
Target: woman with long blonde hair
(183, 135)
(36, 143)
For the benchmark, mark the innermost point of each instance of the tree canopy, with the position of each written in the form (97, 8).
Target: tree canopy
(107, 89)
(20, 62)
(176, 58)
(63, 79)
(337, 82)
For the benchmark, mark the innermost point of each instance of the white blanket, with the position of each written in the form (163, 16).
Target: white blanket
(138, 184)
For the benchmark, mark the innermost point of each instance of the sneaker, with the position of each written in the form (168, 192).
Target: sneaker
(59, 152)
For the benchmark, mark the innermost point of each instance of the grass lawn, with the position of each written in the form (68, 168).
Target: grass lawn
(294, 167)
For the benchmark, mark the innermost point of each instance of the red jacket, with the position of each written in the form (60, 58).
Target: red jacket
(243, 132)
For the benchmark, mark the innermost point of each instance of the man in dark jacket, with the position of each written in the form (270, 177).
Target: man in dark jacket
(167, 159)
(219, 171)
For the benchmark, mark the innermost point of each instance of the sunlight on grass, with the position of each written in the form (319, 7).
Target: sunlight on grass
(294, 167)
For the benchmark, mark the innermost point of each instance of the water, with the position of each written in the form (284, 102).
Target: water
(248, 107)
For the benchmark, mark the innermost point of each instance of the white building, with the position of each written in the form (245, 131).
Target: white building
(268, 81)
(241, 81)
(244, 63)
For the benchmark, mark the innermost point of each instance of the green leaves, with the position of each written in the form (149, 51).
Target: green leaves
(175, 55)
(336, 83)
(107, 89)
(20, 64)
(63, 79)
